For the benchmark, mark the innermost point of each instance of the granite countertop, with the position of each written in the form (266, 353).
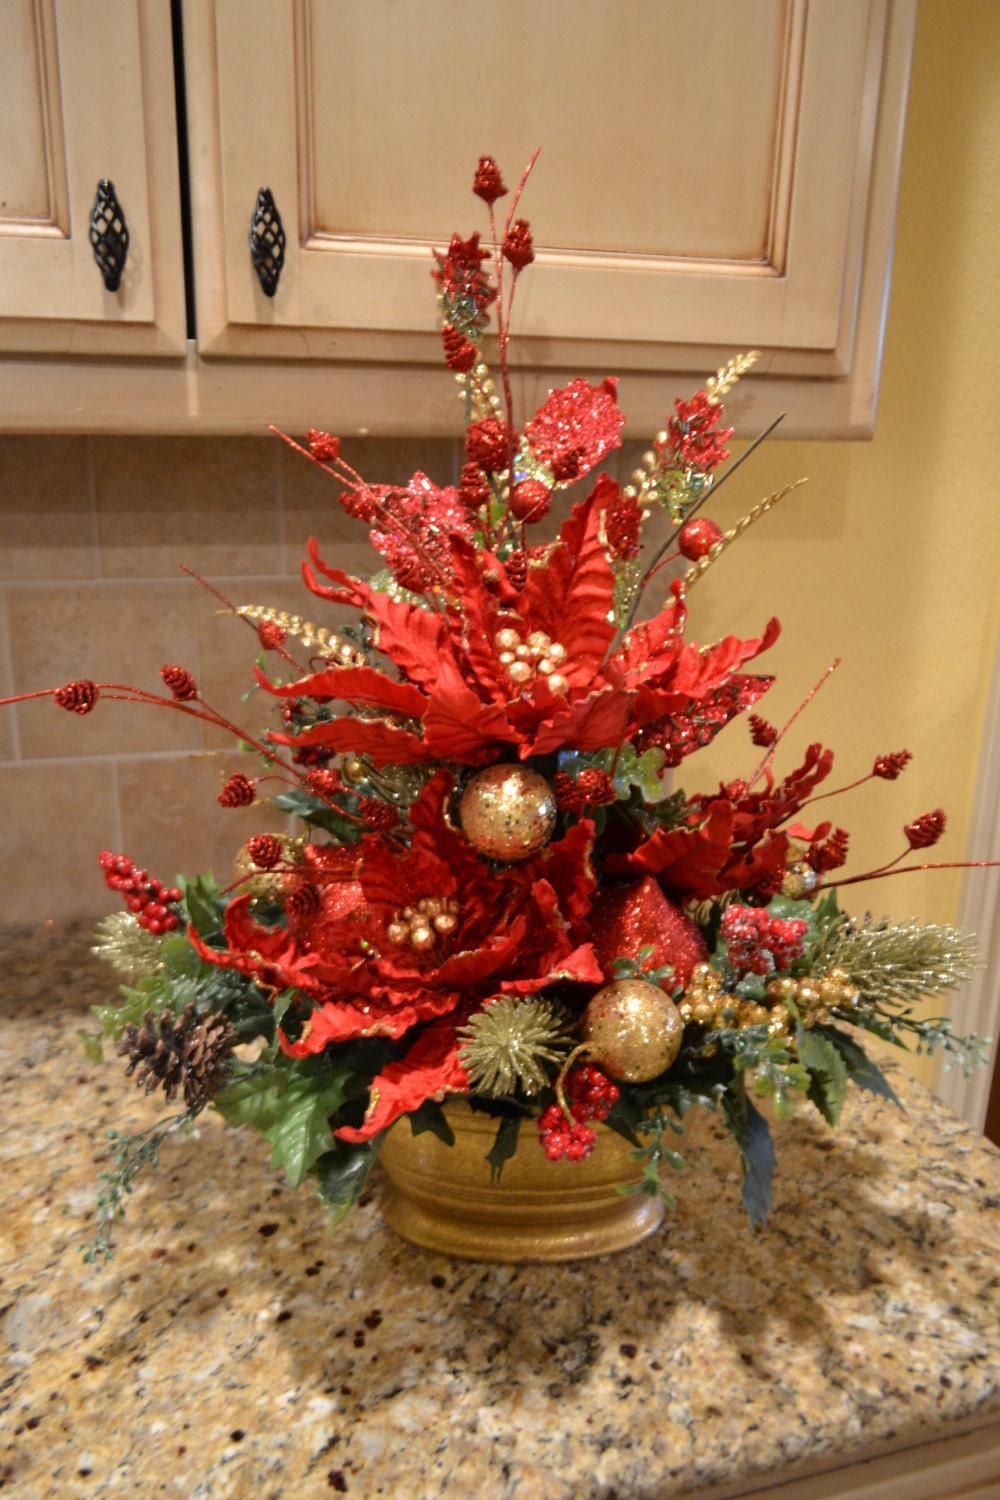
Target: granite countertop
(233, 1348)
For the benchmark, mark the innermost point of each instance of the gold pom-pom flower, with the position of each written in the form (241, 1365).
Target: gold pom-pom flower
(509, 1042)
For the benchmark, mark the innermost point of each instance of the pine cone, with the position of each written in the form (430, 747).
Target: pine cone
(188, 1052)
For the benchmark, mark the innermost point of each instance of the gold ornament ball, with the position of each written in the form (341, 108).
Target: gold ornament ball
(632, 1030)
(268, 885)
(507, 812)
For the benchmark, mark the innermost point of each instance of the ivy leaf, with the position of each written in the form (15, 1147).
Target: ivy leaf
(860, 1068)
(341, 1173)
(750, 1131)
(827, 1073)
(504, 1145)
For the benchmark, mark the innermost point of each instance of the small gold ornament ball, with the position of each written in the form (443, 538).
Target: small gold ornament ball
(268, 885)
(632, 1030)
(507, 812)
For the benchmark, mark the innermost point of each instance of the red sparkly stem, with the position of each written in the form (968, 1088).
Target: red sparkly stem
(503, 324)
(768, 758)
(886, 870)
(231, 607)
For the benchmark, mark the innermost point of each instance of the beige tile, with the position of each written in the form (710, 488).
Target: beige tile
(210, 503)
(48, 525)
(56, 820)
(310, 506)
(8, 714)
(171, 820)
(120, 632)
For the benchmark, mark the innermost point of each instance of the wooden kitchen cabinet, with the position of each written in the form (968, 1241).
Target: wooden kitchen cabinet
(87, 93)
(713, 177)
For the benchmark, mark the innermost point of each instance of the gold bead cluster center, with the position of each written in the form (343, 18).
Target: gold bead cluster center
(421, 925)
(537, 656)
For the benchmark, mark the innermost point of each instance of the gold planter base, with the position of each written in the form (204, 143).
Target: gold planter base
(441, 1197)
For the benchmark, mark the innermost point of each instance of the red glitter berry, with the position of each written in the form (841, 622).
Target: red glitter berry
(530, 500)
(78, 697)
(180, 682)
(459, 353)
(487, 183)
(925, 830)
(265, 850)
(517, 245)
(239, 791)
(697, 537)
(489, 444)
(322, 447)
(761, 732)
(272, 637)
(888, 767)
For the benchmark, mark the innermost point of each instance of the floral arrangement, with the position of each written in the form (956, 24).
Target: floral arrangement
(496, 891)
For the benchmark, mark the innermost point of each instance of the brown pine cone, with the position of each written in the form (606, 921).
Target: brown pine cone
(187, 1052)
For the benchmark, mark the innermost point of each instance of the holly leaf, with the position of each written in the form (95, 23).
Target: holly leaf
(860, 1068)
(319, 814)
(827, 1073)
(204, 903)
(300, 1133)
(750, 1131)
(341, 1173)
(504, 1145)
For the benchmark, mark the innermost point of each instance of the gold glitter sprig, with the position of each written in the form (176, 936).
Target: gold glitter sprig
(507, 1043)
(723, 380)
(127, 947)
(900, 963)
(728, 537)
(331, 644)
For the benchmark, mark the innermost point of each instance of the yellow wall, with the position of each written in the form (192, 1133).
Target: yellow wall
(890, 557)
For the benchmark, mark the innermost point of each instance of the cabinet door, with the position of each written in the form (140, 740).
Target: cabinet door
(713, 176)
(87, 93)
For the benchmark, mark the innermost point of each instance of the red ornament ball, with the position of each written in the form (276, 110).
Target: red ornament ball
(697, 537)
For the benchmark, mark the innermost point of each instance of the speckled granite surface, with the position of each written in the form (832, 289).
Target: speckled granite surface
(233, 1349)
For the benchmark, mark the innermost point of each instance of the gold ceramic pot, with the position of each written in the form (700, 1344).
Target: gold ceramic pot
(441, 1197)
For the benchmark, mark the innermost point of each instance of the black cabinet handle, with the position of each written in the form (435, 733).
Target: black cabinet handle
(109, 235)
(267, 242)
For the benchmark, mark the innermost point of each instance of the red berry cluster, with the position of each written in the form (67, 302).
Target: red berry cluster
(759, 943)
(590, 1096)
(152, 902)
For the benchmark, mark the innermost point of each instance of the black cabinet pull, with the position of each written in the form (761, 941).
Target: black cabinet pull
(109, 235)
(267, 242)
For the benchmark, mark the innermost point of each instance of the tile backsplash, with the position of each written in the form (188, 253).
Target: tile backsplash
(93, 535)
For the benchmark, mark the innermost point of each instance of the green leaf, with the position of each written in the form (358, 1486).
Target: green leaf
(504, 1145)
(301, 1133)
(431, 1116)
(204, 903)
(341, 1173)
(750, 1131)
(319, 814)
(827, 1073)
(92, 1047)
(291, 1106)
(860, 1068)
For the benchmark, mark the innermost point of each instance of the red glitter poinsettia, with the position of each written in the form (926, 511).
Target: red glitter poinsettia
(456, 699)
(351, 957)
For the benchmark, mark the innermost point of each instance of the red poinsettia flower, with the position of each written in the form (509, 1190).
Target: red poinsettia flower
(351, 954)
(732, 840)
(525, 667)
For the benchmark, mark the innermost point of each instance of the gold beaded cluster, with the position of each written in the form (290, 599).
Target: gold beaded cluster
(421, 925)
(538, 655)
(705, 1002)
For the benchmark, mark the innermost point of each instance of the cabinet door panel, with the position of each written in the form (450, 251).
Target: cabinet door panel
(87, 90)
(705, 179)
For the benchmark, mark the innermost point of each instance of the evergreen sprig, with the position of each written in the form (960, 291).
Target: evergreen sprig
(132, 1153)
